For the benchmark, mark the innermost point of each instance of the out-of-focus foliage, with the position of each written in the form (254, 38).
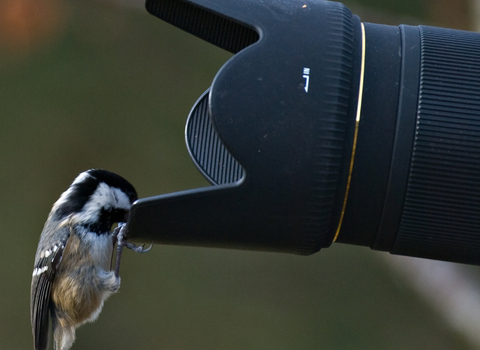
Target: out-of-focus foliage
(406, 8)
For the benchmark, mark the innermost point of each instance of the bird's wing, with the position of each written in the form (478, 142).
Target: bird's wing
(46, 264)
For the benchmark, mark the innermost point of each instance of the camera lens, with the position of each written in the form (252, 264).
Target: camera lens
(415, 185)
(322, 128)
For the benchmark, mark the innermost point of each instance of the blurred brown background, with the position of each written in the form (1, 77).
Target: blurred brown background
(103, 84)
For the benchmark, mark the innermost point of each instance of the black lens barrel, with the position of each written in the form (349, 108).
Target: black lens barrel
(376, 133)
(441, 213)
(431, 195)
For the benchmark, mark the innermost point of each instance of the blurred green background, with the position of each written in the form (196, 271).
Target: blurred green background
(87, 84)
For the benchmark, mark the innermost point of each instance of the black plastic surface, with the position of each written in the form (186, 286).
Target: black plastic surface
(282, 108)
(375, 135)
(403, 140)
(210, 23)
(207, 151)
(276, 134)
(441, 214)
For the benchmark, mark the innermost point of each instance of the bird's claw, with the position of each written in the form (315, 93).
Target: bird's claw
(118, 237)
(137, 249)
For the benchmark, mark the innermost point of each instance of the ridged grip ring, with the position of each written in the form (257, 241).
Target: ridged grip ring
(441, 214)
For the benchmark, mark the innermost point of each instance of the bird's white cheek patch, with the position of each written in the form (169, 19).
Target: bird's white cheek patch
(104, 197)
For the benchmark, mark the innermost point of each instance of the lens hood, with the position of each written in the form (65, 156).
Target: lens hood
(280, 109)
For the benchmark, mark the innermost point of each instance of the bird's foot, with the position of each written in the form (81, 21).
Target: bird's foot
(119, 237)
(137, 249)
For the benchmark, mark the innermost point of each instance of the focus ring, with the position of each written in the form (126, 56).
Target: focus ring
(441, 214)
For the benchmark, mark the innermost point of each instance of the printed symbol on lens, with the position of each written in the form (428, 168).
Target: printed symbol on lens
(306, 76)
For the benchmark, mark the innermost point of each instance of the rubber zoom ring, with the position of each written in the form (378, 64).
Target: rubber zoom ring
(441, 214)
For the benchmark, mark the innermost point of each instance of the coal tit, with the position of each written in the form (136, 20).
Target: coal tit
(72, 274)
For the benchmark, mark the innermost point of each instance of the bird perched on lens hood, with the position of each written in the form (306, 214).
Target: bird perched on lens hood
(72, 274)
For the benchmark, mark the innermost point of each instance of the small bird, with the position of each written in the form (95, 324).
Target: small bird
(72, 274)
